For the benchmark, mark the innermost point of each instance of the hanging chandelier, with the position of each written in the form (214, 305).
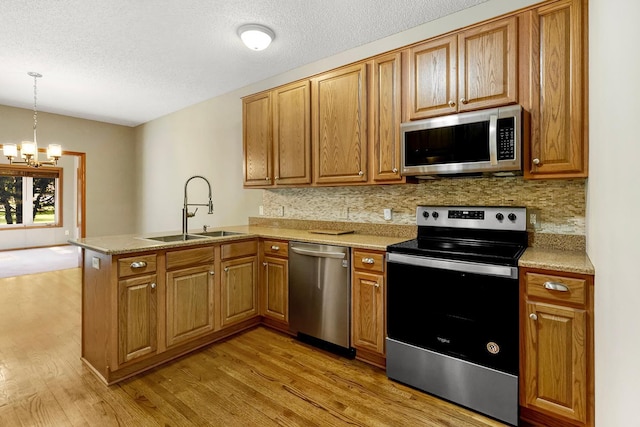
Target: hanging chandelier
(29, 150)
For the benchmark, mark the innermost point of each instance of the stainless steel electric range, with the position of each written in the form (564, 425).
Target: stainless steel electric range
(452, 307)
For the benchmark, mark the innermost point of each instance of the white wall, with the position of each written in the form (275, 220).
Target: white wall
(110, 175)
(613, 207)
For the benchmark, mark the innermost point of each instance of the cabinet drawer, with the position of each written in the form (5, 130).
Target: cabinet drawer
(276, 248)
(369, 261)
(135, 265)
(558, 288)
(234, 250)
(186, 257)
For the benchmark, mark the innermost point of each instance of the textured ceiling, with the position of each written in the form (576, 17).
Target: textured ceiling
(131, 61)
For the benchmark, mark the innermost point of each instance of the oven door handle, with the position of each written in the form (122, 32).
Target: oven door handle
(462, 266)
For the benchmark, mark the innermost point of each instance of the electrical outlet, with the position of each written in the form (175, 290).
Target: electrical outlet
(534, 218)
(95, 263)
(387, 214)
(261, 210)
(66, 232)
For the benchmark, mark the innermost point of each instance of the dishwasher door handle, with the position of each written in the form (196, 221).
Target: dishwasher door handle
(322, 254)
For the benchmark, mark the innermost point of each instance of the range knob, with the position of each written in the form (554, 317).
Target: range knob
(499, 216)
(425, 214)
(512, 217)
(435, 215)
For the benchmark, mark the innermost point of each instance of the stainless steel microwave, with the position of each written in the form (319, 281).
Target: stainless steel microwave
(487, 140)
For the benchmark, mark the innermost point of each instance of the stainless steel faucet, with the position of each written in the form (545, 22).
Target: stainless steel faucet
(185, 210)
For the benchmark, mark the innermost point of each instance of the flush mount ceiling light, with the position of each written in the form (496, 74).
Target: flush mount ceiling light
(256, 37)
(29, 149)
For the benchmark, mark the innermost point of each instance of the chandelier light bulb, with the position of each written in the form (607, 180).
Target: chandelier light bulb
(256, 37)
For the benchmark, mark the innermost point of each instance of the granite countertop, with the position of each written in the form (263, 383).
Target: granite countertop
(129, 243)
(572, 261)
(557, 259)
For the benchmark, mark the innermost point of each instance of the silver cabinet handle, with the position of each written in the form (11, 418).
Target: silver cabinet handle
(452, 104)
(226, 269)
(266, 178)
(138, 264)
(265, 264)
(536, 161)
(555, 286)
(533, 316)
(153, 286)
(275, 248)
(360, 173)
(277, 178)
(394, 170)
(368, 261)
(464, 101)
(212, 272)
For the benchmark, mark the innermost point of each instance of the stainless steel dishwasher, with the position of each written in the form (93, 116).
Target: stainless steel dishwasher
(320, 294)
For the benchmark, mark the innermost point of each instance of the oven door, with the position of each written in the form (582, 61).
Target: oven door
(465, 310)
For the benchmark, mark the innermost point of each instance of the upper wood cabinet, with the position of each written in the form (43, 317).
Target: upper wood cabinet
(256, 139)
(475, 68)
(385, 115)
(554, 89)
(339, 126)
(292, 134)
(277, 136)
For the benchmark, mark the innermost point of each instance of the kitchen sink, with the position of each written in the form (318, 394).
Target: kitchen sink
(175, 238)
(219, 233)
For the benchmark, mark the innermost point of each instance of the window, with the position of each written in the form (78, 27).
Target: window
(30, 197)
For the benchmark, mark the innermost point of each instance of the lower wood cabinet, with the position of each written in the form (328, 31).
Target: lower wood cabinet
(274, 283)
(556, 373)
(239, 282)
(368, 322)
(137, 317)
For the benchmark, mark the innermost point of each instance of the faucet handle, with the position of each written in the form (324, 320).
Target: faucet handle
(192, 214)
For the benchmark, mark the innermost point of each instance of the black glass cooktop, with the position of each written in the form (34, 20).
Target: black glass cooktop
(462, 250)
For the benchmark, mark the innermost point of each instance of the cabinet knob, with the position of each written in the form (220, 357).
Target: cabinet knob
(452, 104)
(138, 264)
(277, 178)
(226, 269)
(360, 173)
(275, 248)
(153, 286)
(265, 264)
(464, 101)
(394, 170)
(266, 178)
(368, 261)
(533, 316)
(212, 272)
(536, 161)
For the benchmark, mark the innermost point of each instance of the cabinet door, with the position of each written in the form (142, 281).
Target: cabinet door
(190, 307)
(339, 126)
(275, 288)
(292, 134)
(368, 311)
(557, 88)
(386, 116)
(137, 318)
(238, 294)
(256, 137)
(487, 65)
(433, 78)
(555, 366)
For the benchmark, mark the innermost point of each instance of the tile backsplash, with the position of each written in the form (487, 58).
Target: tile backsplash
(559, 204)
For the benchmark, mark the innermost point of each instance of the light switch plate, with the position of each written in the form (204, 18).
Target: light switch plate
(95, 262)
(387, 214)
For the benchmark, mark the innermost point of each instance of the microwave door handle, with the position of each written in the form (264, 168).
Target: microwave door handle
(493, 139)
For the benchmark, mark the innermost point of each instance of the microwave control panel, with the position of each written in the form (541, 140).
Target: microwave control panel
(506, 139)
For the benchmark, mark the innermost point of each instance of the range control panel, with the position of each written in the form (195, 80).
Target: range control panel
(481, 217)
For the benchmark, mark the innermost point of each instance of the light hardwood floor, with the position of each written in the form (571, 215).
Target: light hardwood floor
(258, 378)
